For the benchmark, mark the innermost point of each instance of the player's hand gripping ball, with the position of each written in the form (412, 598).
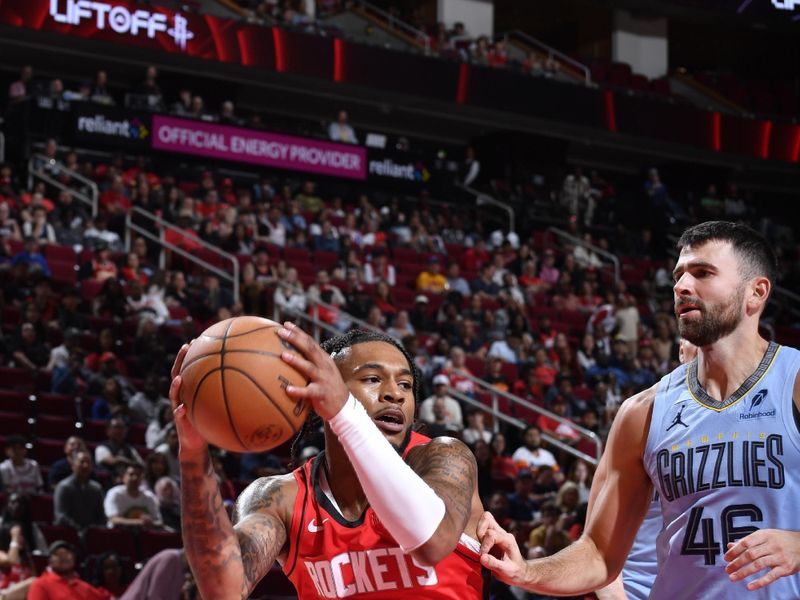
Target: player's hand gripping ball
(233, 384)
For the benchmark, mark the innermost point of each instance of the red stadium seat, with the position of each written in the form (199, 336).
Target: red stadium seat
(52, 533)
(15, 402)
(57, 252)
(55, 405)
(13, 424)
(153, 542)
(54, 426)
(15, 378)
(42, 507)
(101, 539)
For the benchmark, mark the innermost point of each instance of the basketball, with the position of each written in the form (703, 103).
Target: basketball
(233, 386)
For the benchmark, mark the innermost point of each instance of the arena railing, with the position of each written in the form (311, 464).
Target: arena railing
(482, 199)
(312, 324)
(392, 23)
(520, 424)
(344, 315)
(156, 233)
(495, 395)
(551, 53)
(597, 250)
(39, 164)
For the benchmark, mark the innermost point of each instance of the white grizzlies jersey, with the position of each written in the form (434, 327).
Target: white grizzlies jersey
(723, 470)
(641, 568)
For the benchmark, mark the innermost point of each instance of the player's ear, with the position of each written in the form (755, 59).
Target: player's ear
(759, 290)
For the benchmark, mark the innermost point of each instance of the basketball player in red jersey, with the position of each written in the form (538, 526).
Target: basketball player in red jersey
(381, 513)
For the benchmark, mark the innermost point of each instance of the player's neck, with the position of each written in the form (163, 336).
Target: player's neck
(722, 367)
(342, 479)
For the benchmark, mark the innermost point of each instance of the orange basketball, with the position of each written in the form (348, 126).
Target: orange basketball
(234, 382)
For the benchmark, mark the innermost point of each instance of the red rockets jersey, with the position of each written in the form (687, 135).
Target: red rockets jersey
(330, 557)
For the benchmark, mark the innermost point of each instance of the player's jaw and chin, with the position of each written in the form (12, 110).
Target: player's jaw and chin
(710, 322)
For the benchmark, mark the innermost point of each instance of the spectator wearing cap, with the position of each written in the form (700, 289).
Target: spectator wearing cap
(419, 315)
(341, 131)
(431, 280)
(531, 454)
(453, 415)
(78, 499)
(18, 473)
(60, 581)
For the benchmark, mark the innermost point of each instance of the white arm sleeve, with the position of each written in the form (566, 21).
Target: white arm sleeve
(409, 509)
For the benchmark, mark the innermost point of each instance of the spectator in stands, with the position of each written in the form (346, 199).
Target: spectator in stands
(22, 88)
(439, 425)
(100, 93)
(27, 351)
(455, 282)
(157, 428)
(563, 432)
(109, 575)
(323, 290)
(183, 106)
(169, 448)
(149, 85)
(62, 468)
(78, 499)
(458, 373)
(260, 464)
(61, 579)
(494, 374)
(18, 473)
(127, 505)
(401, 326)
(115, 451)
(145, 404)
(308, 200)
(271, 229)
(581, 474)
(452, 409)
(327, 240)
(168, 495)
(31, 258)
(177, 292)
(431, 280)
(16, 564)
(156, 466)
(212, 301)
(341, 131)
(384, 300)
(507, 349)
(476, 429)
(531, 454)
(575, 192)
(503, 466)
(549, 537)
(289, 295)
(112, 403)
(521, 503)
(69, 220)
(379, 269)
(628, 322)
(227, 114)
(485, 285)
(9, 228)
(549, 273)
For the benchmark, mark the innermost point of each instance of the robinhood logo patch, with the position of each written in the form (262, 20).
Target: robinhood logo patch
(132, 129)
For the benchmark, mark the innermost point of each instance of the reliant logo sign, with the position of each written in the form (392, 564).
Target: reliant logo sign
(409, 172)
(122, 20)
(132, 129)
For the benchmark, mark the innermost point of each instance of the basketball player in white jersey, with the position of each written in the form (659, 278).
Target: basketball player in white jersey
(641, 567)
(719, 438)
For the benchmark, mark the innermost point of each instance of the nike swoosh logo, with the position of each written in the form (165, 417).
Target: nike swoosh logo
(313, 527)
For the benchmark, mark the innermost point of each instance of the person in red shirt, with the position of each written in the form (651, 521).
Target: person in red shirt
(382, 513)
(60, 581)
(102, 266)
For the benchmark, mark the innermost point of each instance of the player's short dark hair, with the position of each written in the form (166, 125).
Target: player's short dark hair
(335, 345)
(755, 253)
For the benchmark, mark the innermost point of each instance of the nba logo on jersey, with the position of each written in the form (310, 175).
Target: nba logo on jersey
(762, 412)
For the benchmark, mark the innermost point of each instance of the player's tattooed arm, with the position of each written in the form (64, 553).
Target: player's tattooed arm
(228, 563)
(449, 468)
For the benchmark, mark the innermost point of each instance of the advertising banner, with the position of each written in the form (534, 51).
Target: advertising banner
(258, 147)
(107, 125)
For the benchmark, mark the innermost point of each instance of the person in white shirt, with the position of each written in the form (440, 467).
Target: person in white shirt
(127, 505)
(289, 295)
(441, 385)
(531, 452)
(341, 131)
(145, 404)
(475, 429)
(18, 473)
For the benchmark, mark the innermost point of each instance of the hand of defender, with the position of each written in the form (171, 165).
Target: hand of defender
(500, 551)
(326, 390)
(189, 438)
(776, 550)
